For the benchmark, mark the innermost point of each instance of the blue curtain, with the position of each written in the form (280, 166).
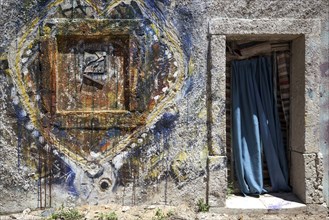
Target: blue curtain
(256, 127)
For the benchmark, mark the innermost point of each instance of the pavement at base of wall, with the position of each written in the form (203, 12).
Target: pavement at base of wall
(266, 207)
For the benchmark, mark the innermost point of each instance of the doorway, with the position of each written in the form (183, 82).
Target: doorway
(245, 168)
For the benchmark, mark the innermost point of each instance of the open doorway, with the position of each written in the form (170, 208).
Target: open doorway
(275, 57)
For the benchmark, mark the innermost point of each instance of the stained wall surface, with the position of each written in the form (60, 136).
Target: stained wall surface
(152, 142)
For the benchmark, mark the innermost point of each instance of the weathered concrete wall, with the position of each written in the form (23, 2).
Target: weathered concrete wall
(324, 106)
(167, 164)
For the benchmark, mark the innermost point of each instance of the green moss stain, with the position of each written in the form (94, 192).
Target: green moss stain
(191, 67)
(46, 31)
(155, 159)
(182, 156)
(204, 156)
(177, 166)
(154, 174)
(203, 114)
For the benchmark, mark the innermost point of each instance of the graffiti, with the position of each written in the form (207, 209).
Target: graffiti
(87, 89)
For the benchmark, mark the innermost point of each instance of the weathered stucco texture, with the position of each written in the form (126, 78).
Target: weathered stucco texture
(167, 146)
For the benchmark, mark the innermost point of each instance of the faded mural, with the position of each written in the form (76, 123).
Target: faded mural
(92, 88)
(106, 100)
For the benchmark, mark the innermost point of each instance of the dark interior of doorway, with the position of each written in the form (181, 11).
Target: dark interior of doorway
(247, 49)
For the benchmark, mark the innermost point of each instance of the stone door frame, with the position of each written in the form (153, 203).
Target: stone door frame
(306, 168)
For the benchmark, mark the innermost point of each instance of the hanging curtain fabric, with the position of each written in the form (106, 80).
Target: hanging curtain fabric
(283, 61)
(256, 127)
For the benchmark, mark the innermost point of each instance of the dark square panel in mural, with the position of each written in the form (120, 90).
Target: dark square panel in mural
(92, 74)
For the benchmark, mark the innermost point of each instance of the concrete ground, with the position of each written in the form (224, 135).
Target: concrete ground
(276, 201)
(266, 207)
(269, 206)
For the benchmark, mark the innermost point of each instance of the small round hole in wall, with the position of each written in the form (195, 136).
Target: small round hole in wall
(104, 184)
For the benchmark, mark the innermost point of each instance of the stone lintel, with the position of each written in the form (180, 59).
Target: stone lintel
(265, 26)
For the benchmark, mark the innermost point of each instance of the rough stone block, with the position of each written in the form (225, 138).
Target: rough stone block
(217, 180)
(217, 95)
(312, 109)
(312, 135)
(306, 177)
(218, 66)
